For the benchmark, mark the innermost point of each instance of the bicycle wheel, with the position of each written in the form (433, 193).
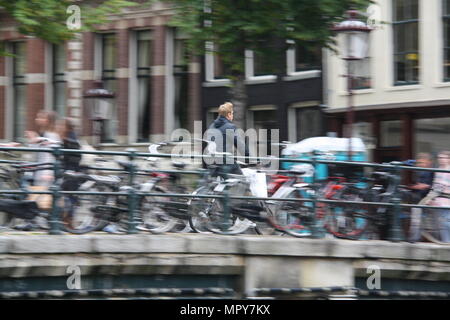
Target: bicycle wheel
(347, 221)
(6, 222)
(266, 229)
(80, 215)
(198, 209)
(207, 215)
(182, 227)
(154, 215)
(292, 217)
(261, 224)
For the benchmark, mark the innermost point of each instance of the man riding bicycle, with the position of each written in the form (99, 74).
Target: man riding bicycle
(223, 128)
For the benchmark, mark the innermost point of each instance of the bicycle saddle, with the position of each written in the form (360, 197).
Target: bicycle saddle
(75, 175)
(104, 179)
(125, 164)
(30, 165)
(301, 185)
(232, 181)
(178, 164)
(380, 174)
(297, 172)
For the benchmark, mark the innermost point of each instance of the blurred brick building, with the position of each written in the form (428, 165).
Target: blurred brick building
(158, 87)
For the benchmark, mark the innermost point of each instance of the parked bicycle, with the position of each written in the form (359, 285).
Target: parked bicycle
(233, 216)
(360, 220)
(16, 212)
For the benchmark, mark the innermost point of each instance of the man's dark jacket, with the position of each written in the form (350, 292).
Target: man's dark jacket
(223, 124)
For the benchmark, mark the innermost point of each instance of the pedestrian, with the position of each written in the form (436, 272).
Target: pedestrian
(435, 197)
(70, 162)
(66, 130)
(230, 138)
(441, 185)
(423, 179)
(421, 187)
(42, 179)
(45, 122)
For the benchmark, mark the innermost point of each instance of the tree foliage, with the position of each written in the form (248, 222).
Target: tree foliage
(236, 25)
(47, 19)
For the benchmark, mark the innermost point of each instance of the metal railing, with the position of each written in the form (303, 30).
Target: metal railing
(132, 194)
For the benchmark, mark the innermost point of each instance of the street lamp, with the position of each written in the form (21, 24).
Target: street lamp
(354, 37)
(99, 103)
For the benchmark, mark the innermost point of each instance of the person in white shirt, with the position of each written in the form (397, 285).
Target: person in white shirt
(441, 185)
(45, 122)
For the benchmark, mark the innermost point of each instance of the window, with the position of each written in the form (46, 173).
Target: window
(144, 58)
(109, 129)
(263, 117)
(391, 133)
(262, 64)
(258, 64)
(308, 123)
(220, 69)
(58, 79)
(446, 24)
(307, 58)
(431, 135)
(304, 61)
(305, 120)
(181, 65)
(19, 89)
(215, 68)
(406, 42)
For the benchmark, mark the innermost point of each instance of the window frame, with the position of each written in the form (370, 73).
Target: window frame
(293, 110)
(291, 61)
(18, 81)
(104, 71)
(397, 23)
(250, 69)
(58, 78)
(143, 72)
(445, 45)
(107, 76)
(210, 65)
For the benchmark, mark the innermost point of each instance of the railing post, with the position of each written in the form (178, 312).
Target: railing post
(396, 231)
(55, 219)
(225, 225)
(132, 196)
(314, 223)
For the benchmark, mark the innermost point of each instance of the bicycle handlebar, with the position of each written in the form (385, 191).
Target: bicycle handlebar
(31, 165)
(9, 154)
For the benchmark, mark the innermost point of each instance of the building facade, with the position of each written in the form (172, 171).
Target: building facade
(158, 86)
(402, 90)
(137, 56)
(289, 100)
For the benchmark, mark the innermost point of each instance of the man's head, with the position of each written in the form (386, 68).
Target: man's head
(226, 110)
(424, 160)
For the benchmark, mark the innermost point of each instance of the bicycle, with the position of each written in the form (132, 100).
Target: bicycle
(15, 208)
(95, 212)
(211, 213)
(359, 220)
(345, 220)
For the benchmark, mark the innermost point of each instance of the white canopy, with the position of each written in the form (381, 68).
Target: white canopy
(324, 144)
